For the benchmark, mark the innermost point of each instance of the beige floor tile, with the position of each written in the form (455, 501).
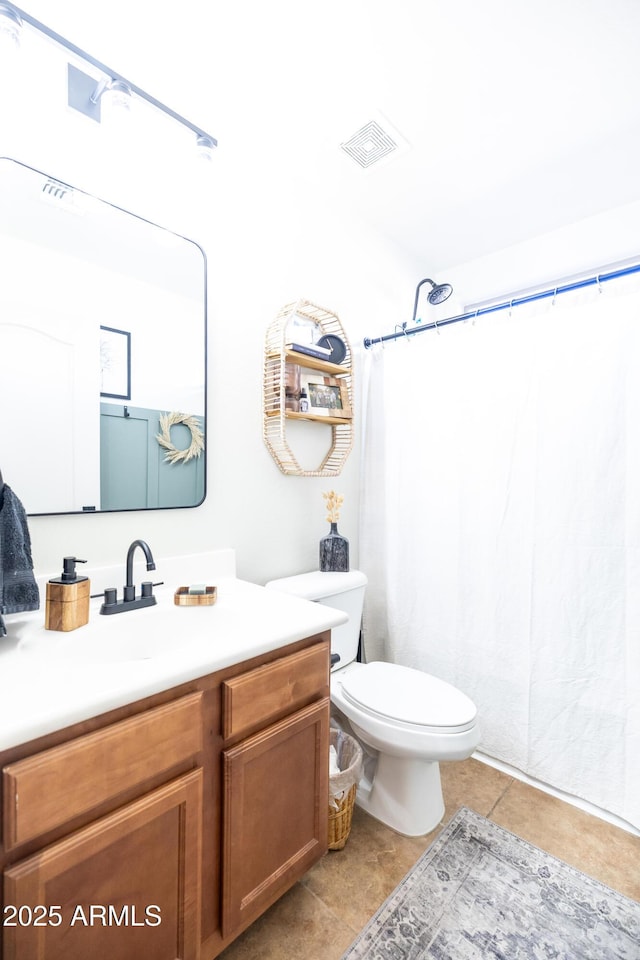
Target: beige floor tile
(297, 926)
(353, 882)
(591, 845)
(473, 784)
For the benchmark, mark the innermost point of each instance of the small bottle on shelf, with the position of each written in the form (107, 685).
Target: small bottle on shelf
(304, 402)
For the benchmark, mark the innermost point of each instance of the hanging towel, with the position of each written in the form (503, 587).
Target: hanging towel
(18, 587)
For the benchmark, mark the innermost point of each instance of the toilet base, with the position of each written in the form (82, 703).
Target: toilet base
(405, 794)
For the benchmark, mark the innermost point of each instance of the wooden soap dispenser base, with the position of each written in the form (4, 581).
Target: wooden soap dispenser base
(67, 598)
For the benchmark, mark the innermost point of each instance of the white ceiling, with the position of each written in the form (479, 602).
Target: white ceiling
(520, 116)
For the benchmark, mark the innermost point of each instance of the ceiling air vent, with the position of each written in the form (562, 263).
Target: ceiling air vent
(373, 143)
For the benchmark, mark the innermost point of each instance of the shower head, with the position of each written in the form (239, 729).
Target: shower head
(439, 293)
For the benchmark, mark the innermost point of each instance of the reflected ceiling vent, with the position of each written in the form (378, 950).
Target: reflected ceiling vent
(374, 143)
(61, 195)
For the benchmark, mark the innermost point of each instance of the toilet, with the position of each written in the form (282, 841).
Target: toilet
(406, 720)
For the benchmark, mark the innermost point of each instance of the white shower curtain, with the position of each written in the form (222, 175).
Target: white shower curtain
(500, 531)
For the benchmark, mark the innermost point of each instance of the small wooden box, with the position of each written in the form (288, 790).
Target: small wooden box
(67, 605)
(182, 597)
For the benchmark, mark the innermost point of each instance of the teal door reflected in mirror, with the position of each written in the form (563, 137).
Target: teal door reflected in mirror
(134, 470)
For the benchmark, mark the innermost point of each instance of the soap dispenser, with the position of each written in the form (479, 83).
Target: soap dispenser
(67, 604)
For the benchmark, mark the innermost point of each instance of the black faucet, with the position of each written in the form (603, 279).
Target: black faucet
(129, 600)
(129, 588)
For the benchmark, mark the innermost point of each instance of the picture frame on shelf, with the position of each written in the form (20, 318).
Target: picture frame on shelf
(328, 396)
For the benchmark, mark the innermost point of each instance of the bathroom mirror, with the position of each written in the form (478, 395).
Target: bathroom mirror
(103, 352)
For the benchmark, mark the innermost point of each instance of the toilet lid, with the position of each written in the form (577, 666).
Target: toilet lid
(408, 695)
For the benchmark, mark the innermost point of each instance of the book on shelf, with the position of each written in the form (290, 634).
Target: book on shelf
(310, 350)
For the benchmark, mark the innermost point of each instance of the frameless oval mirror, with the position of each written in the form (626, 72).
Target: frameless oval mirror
(103, 351)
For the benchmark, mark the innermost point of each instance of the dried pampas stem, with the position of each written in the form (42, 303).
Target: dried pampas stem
(333, 501)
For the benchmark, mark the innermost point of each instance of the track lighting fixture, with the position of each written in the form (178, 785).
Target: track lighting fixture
(88, 92)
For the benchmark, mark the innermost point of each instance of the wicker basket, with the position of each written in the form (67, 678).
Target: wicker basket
(341, 806)
(340, 820)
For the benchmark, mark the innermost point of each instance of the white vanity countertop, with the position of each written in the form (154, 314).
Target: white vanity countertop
(50, 679)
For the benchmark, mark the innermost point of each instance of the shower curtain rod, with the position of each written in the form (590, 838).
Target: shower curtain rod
(507, 304)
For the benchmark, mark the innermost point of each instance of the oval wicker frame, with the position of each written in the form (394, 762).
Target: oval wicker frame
(276, 415)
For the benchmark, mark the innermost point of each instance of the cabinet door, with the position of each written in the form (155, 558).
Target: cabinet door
(125, 887)
(275, 812)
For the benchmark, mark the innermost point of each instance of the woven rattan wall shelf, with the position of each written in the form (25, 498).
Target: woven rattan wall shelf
(278, 363)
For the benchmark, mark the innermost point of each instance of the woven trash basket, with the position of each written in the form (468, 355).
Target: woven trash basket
(342, 787)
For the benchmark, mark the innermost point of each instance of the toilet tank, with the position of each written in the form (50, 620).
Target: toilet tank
(344, 591)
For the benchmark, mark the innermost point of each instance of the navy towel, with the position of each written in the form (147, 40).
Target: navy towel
(18, 587)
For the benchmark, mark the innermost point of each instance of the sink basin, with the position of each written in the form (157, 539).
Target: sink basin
(102, 650)
(143, 634)
(148, 633)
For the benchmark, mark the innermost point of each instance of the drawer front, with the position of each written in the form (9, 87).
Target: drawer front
(50, 788)
(267, 693)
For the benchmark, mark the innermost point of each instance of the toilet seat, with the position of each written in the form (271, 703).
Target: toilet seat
(409, 696)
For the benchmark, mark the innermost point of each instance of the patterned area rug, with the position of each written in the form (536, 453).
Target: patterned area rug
(481, 893)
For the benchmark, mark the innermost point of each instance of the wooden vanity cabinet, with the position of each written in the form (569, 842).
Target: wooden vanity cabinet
(164, 828)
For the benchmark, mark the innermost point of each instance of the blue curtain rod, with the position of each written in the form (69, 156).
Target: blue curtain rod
(507, 304)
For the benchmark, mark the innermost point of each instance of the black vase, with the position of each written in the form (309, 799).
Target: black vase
(334, 552)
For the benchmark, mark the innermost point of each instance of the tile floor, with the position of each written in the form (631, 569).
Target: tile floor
(319, 917)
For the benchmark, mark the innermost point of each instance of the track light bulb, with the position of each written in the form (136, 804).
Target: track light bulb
(204, 147)
(10, 28)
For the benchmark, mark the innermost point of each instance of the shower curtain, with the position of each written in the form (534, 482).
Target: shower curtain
(500, 531)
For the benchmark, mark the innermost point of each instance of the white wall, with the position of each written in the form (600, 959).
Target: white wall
(267, 242)
(577, 249)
